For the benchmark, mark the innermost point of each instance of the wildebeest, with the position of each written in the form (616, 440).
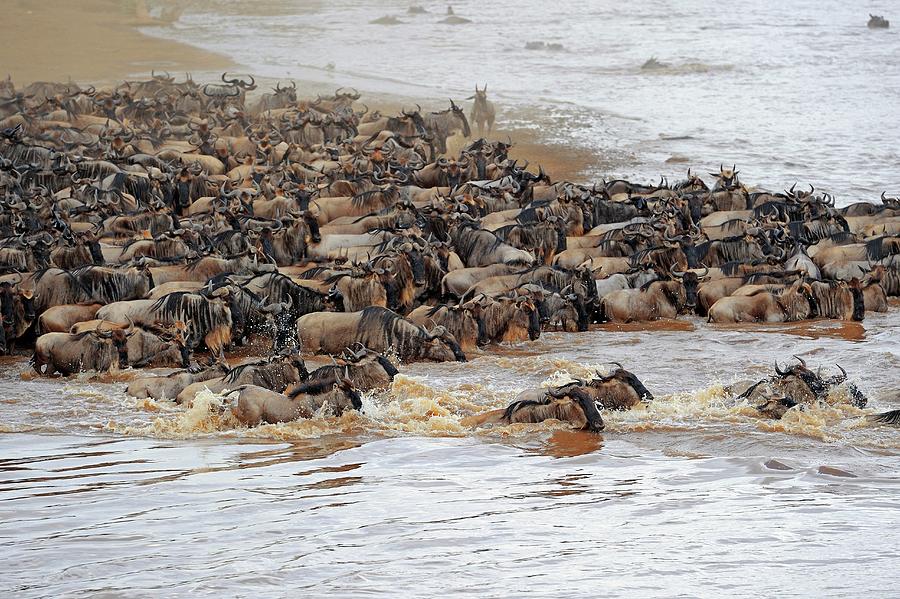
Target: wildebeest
(275, 374)
(792, 303)
(380, 330)
(169, 386)
(483, 112)
(17, 314)
(837, 299)
(510, 319)
(566, 404)
(367, 369)
(147, 347)
(68, 354)
(443, 124)
(655, 300)
(477, 247)
(461, 320)
(209, 319)
(257, 405)
(799, 386)
(618, 390)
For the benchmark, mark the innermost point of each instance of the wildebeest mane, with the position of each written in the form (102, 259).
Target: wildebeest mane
(377, 318)
(875, 249)
(313, 387)
(233, 374)
(731, 268)
(200, 312)
(105, 284)
(312, 273)
(362, 199)
(892, 417)
(518, 405)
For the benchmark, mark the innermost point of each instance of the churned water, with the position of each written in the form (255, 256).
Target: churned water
(693, 495)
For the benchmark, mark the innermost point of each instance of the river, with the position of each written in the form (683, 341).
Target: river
(105, 495)
(797, 91)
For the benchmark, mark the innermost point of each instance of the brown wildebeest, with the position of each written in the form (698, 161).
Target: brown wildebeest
(567, 404)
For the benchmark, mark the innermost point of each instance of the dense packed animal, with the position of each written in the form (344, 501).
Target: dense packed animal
(146, 221)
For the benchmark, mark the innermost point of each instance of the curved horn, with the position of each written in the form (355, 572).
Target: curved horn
(779, 371)
(842, 378)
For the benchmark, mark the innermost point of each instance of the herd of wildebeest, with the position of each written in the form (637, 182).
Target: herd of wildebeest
(150, 220)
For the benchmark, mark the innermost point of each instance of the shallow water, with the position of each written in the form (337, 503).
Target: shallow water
(105, 494)
(790, 91)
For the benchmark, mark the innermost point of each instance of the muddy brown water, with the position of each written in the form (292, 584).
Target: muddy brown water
(106, 495)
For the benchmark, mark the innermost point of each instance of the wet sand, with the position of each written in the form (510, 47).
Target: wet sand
(89, 40)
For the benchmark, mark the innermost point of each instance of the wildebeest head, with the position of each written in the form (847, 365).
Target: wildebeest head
(776, 407)
(360, 353)
(461, 116)
(593, 419)
(480, 95)
(119, 338)
(313, 224)
(288, 94)
(178, 334)
(859, 306)
(799, 383)
(617, 388)
(345, 386)
(692, 183)
(726, 178)
(334, 300)
(691, 281)
(441, 346)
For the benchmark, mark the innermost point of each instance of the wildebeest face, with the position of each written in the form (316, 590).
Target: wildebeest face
(528, 309)
(595, 422)
(776, 407)
(312, 222)
(632, 381)
(859, 306)
(459, 114)
(334, 300)
(389, 368)
(690, 282)
(441, 346)
(584, 402)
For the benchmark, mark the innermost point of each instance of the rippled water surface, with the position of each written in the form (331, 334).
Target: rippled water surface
(790, 91)
(692, 495)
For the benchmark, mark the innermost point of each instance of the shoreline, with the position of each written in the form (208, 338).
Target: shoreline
(45, 43)
(40, 48)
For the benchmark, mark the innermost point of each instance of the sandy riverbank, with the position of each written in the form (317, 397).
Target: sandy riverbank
(97, 41)
(89, 40)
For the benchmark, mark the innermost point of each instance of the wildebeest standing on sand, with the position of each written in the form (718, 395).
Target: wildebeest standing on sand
(483, 112)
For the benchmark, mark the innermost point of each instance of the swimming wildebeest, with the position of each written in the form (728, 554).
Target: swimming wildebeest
(257, 405)
(799, 386)
(567, 404)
